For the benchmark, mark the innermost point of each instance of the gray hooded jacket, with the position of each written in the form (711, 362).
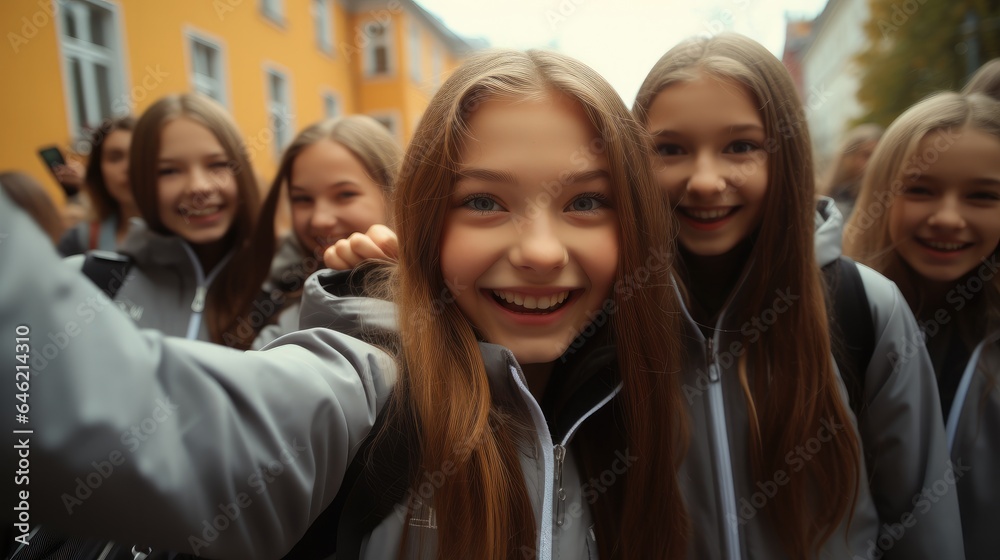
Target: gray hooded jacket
(165, 288)
(900, 512)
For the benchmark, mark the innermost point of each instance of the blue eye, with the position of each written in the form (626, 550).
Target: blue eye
(482, 204)
(588, 203)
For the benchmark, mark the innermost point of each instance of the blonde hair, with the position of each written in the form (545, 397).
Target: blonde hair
(233, 291)
(867, 237)
(483, 510)
(986, 80)
(800, 389)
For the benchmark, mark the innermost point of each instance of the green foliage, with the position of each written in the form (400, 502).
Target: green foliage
(918, 47)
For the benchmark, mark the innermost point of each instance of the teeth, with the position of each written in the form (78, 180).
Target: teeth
(532, 302)
(202, 212)
(707, 214)
(945, 246)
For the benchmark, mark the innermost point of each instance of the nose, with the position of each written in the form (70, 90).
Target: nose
(707, 177)
(324, 217)
(539, 247)
(947, 215)
(201, 180)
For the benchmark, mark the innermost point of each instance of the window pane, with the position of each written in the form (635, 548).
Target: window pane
(79, 101)
(99, 22)
(330, 106)
(70, 22)
(277, 88)
(103, 90)
(381, 60)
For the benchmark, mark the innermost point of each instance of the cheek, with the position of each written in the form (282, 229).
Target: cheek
(670, 183)
(899, 222)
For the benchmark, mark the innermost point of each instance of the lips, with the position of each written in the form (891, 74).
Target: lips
(944, 246)
(707, 215)
(532, 303)
(200, 212)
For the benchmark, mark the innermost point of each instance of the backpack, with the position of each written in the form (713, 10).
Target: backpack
(852, 329)
(107, 270)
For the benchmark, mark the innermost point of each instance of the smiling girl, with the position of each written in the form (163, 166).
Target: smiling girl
(779, 467)
(338, 175)
(525, 207)
(193, 269)
(936, 233)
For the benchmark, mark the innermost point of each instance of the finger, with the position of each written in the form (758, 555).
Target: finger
(333, 259)
(364, 247)
(386, 240)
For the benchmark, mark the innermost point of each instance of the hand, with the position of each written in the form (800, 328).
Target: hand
(70, 174)
(379, 243)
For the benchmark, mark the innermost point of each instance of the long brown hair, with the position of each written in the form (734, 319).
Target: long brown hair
(866, 237)
(483, 508)
(234, 289)
(103, 203)
(839, 175)
(370, 142)
(795, 386)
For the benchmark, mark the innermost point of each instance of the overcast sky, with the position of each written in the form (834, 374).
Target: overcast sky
(621, 39)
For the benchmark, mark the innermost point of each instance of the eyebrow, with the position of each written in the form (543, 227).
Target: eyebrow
(506, 177)
(206, 156)
(736, 128)
(338, 184)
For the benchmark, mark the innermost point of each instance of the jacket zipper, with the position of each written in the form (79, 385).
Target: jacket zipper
(201, 291)
(720, 439)
(559, 451)
(542, 429)
(955, 414)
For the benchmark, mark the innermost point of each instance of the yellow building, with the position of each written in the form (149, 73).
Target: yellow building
(276, 65)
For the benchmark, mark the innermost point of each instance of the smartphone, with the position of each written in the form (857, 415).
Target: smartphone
(53, 158)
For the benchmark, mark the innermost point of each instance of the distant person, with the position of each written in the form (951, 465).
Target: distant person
(986, 80)
(338, 175)
(30, 195)
(843, 181)
(106, 183)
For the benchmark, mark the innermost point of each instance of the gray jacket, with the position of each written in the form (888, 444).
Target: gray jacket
(196, 447)
(973, 430)
(902, 430)
(165, 287)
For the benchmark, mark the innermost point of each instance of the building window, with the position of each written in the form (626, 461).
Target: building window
(92, 53)
(323, 16)
(279, 110)
(437, 65)
(207, 77)
(331, 107)
(377, 51)
(416, 58)
(274, 10)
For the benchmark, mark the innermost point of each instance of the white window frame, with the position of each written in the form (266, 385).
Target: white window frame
(89, 55)
(395, 121)
(415, 53)
(191, 37)
(322, 12)
(275, 109)
(273, 10)
(386, 41)
(326, 96)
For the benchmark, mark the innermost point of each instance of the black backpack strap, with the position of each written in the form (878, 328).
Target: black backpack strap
(107, 270)
(852, 328)
(375, 482)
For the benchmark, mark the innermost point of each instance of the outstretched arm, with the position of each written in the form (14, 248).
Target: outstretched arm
(167, 442)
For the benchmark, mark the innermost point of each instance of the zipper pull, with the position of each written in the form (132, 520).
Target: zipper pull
(710, 356)
(198, 305)
(560, 455)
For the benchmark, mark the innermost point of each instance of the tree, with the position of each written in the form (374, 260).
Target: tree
(918, 47)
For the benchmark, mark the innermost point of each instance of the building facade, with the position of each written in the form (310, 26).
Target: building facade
(829, 76)
(276, 65)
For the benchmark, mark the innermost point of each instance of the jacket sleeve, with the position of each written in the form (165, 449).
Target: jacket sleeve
(167, 442)
(912, 480)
